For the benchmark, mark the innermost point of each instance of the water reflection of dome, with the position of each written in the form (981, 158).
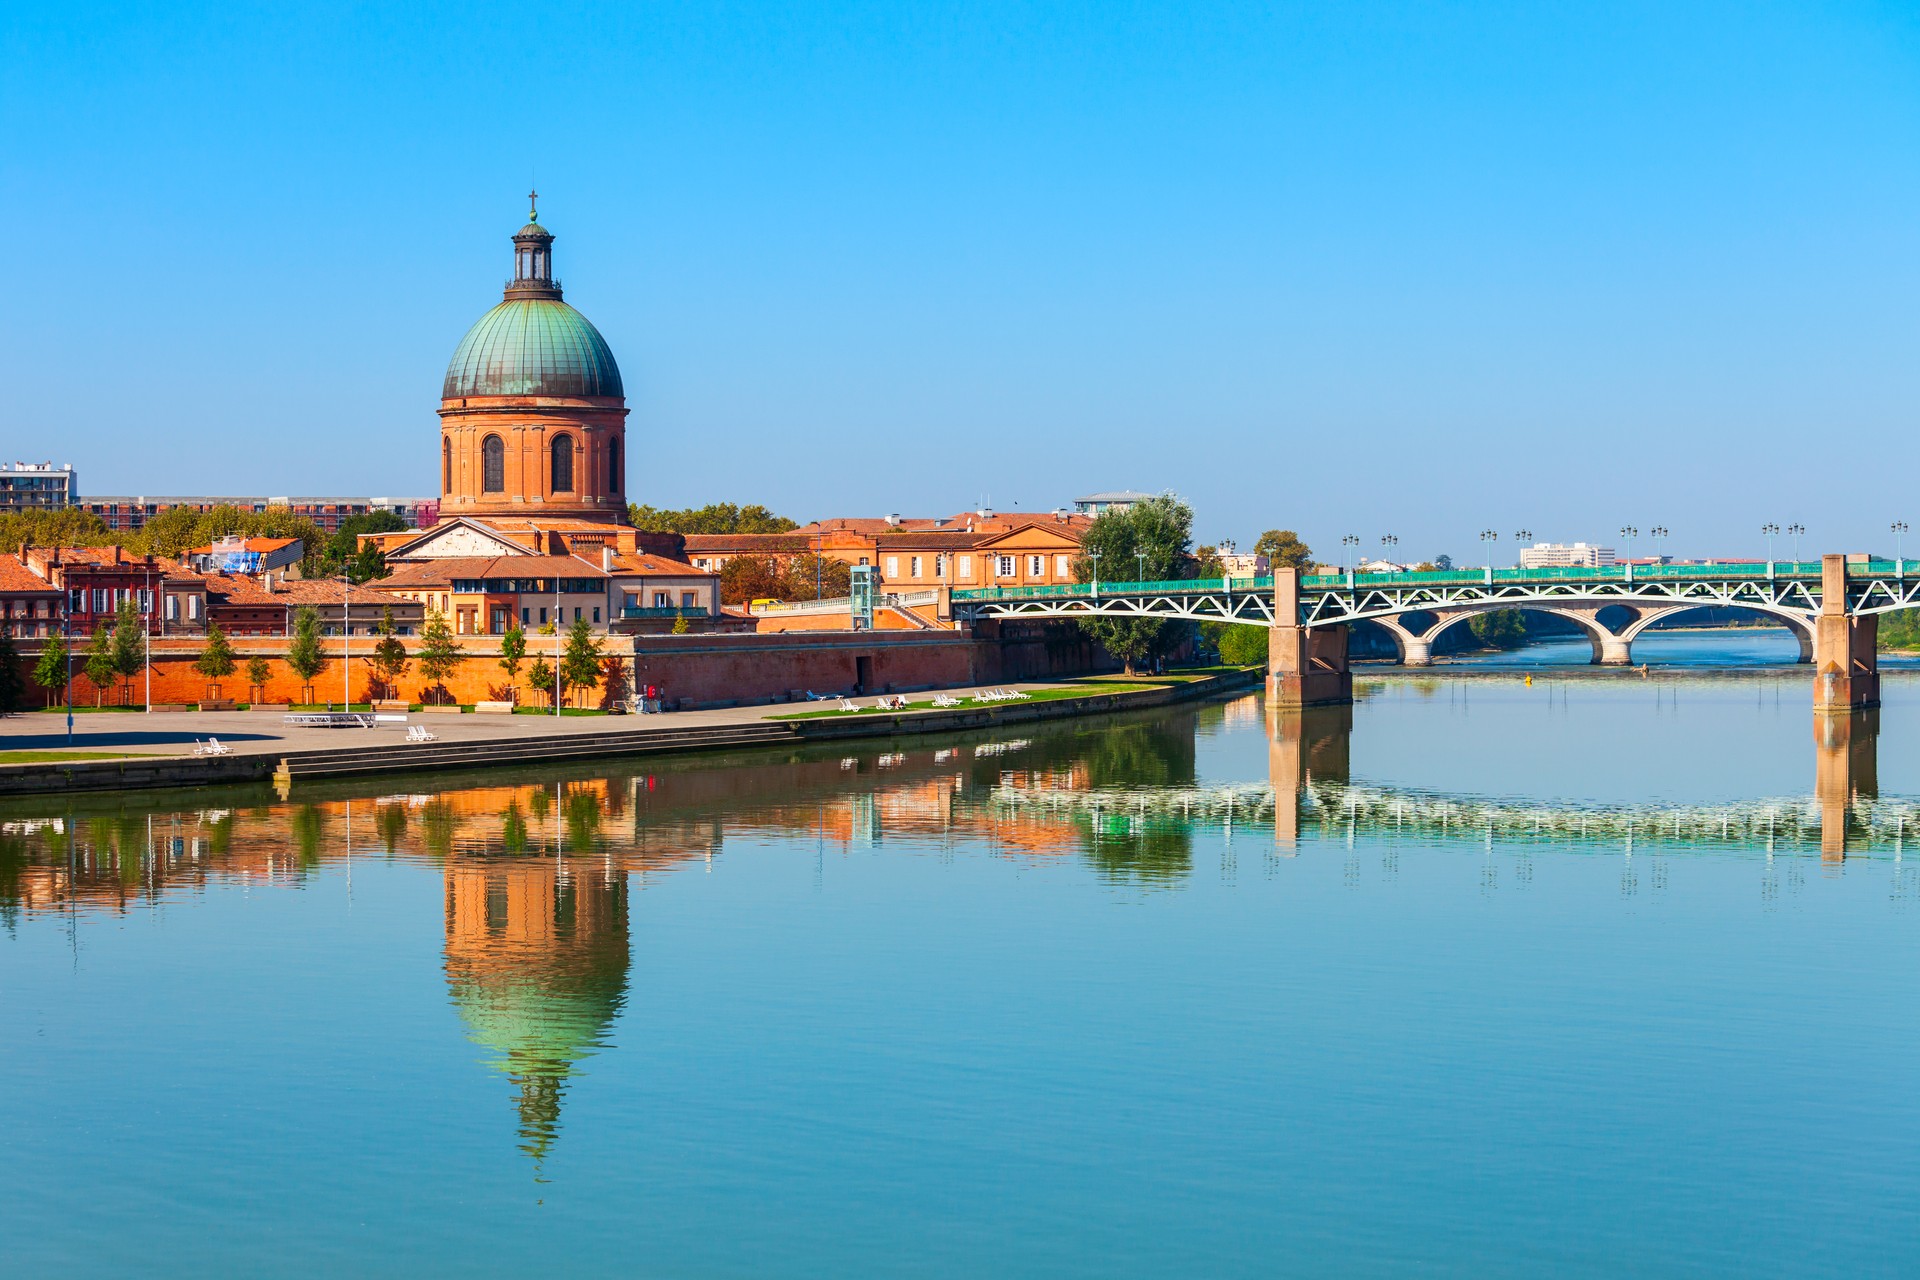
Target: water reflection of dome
(537, 965)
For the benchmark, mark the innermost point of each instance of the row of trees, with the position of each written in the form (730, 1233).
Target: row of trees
(808, 577)
(715, 517)
(176, 531)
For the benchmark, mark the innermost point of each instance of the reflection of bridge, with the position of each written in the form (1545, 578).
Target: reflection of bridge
(1309, 788)
(1832, 606)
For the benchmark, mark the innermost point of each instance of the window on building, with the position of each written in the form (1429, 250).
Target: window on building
(939, 566)
(524, 616)
(893, 566)
(613, 465)
(662, 600)
(966, 566)
(173, 608)
(562, 477)
(914, 564)
(596, 613)
(576, 613)
(493, 466)
(1036, 566)
(102, 600)
(543, 615)
(1005, 567)
(193, 608)
(688, 600)
(1063, 566)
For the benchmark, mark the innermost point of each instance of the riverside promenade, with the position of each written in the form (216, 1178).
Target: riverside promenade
(156, 751)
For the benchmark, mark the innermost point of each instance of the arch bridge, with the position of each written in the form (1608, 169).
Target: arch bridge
(1832, 606)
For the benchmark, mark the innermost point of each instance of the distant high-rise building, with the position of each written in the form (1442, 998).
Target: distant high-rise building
(25, 486)
(1558, 555)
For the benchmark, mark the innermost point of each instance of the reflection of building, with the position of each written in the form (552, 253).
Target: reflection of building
(537, 965)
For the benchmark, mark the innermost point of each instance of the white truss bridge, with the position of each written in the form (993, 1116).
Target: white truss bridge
(1790, 592)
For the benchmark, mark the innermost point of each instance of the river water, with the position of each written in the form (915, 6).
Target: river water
(1577, 977)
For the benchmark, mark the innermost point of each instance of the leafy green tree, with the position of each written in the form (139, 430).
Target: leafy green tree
(129, 647)
(715, 517)
(812, 577)
(681, 626)
(216, 661)
(1443, 564)
(50, 673)
(1243, 646)
(1160, 530)
(439, 655)
(12, 684)
(53, 527)
(99, 666)
(304, 657)
(1283, 547)
(389, 657)
(540, 676)
(513, 651)
(747, 578)
(258, 669)
(580, 665)
(1900, 629)
(1500, 629)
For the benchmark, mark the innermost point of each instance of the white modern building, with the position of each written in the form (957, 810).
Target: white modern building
(1558, 555)
(28, 485)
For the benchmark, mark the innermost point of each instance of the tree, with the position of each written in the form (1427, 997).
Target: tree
(1283, 547)
(128, 647)
(1160, 530)
(812, 577)
(257, 672)
(100, 667)
(681, 626)
(748, 578)
(439, 655)
(342, 552)
(1500, 629)
(1207, 563)
(540, 676)
(389, 657)
(216, 661)
(50, 673)
(53, 527)
(513, 651)
(11, 685)
(1443, 564)
(715, 517)
(1243, 646)
(303, 655)
(580, 666)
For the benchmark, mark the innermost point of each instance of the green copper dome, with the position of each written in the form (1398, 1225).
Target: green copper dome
(533, 347)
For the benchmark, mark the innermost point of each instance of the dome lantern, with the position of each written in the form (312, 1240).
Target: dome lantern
(533, 258)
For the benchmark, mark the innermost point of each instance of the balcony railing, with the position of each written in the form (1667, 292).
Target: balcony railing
(663, 611)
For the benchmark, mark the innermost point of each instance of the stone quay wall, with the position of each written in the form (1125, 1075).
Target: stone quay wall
(693, 670)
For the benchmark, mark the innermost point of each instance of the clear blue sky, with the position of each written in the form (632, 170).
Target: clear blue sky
(1351, 268)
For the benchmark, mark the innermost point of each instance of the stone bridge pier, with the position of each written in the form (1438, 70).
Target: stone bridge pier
(1846, 660)
(1306, 666)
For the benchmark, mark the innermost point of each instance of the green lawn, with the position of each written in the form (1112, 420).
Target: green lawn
(51, 757)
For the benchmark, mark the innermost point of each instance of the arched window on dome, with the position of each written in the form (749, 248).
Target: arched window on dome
(493, 465)
(562, 464)
(613, 465)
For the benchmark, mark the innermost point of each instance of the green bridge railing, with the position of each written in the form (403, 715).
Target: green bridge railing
(1446, 577)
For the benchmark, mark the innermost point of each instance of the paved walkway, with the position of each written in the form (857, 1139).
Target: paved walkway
(173, 733)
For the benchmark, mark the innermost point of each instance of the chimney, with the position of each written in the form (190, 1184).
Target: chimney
(985, 513)
(606, 559)
(893, 519)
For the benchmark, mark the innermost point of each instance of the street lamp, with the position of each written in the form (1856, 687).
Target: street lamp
(1141, 556)
(146, 630)
(1796, 530)
(1521, 537)
(1095, 557)
(346, 644)
(1489, 537)
(1658, 532)
(1899, 528)
(556, 645)
(1769, 529)
(1350, 541)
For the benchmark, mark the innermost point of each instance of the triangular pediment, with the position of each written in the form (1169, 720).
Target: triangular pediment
(462, 537)
(1031, 537)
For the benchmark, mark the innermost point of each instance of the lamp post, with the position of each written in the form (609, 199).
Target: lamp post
(1899, 530)
(1387, 543)
(556, 645)
(1796, 530)
(1521, 537)
(1349, 541)
(1141, 556)
(346, 644)
(1769, 529)
(66, 622)
(1628, 533)
(1095, 557)
(1489, 537)
(146, 631)
(1658, 532)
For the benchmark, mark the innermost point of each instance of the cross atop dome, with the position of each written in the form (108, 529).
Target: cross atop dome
(533, 206)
